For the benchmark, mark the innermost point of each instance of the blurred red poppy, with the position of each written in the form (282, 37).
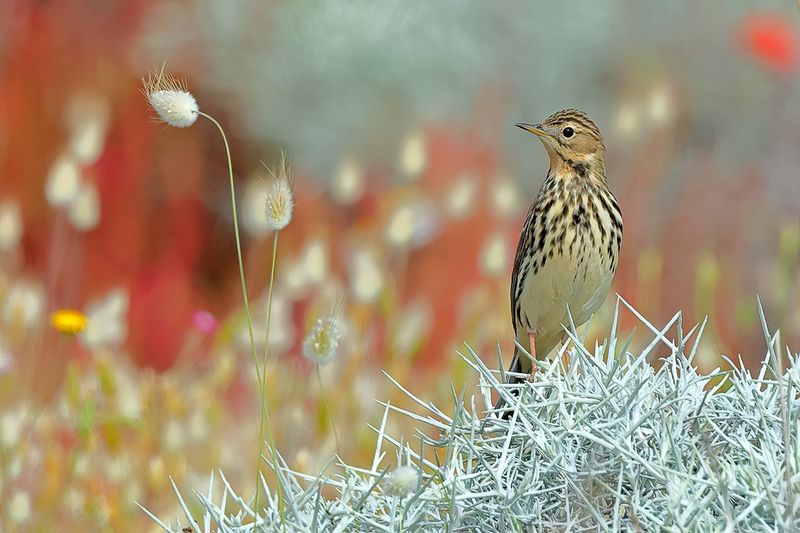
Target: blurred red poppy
(772, 40)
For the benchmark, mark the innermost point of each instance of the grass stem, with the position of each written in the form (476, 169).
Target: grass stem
(261, 379)
(328, 408)
(264, 402)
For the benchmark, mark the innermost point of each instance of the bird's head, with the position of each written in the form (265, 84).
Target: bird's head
(572, 141)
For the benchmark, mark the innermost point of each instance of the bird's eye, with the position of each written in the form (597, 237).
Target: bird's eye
(568, 132)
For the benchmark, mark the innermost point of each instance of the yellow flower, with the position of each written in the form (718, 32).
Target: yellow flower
(69, 321)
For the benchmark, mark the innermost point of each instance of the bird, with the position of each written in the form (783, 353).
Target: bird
(570, 243)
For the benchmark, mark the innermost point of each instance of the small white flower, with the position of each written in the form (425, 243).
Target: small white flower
(174, 435)
(24, 304)
(128, 399)
(400, 229)
(309, 269)
(505, 197)
(322, 341)
(413, 155)
(74, 501)
(495, 255)
(81, 466)
(117, 468)
(348, 183)
(627, 121)
(12, 424)
(10, 226)
(156, 471)
(366, 278)
(412, 223)
(170, 99)
(84, 209)
(294, 279)
(106, 325)
(402, 481)
(303, 460)
(15, 467)
(413, 326)
(198, 426)
(461, 198)
(19, 507)
(63, 182)
(133, 490)
(660, 105)
(87, 116)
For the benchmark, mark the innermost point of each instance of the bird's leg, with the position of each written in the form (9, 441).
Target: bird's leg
(566, 359)
(532, 344)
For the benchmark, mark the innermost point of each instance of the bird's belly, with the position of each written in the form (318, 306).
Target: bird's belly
(579, 282)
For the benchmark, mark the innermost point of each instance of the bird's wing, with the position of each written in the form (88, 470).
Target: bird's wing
(524, 244)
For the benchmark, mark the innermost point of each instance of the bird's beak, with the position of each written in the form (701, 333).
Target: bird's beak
(536, 129)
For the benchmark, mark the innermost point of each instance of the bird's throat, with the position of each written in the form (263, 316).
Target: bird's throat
(579, 169)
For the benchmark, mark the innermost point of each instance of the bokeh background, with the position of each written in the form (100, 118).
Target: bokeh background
(411, 185)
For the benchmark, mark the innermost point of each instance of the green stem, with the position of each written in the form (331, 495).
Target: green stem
(244, 285)
(238, 242)
(264, 409)
(328, 408)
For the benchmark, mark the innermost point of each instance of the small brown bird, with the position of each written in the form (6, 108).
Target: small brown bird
(570, 243)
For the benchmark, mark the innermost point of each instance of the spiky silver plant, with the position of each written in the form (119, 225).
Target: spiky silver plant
(605, 442)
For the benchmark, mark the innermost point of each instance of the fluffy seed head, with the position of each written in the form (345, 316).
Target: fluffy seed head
(323, 339)
(280, 204)
(402, 481)
(170, 99)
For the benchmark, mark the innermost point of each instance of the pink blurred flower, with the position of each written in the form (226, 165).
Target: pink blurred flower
(6, 361)
(204, 321)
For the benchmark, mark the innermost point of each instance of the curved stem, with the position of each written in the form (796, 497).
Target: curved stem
(259, 377)
(238, 242)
